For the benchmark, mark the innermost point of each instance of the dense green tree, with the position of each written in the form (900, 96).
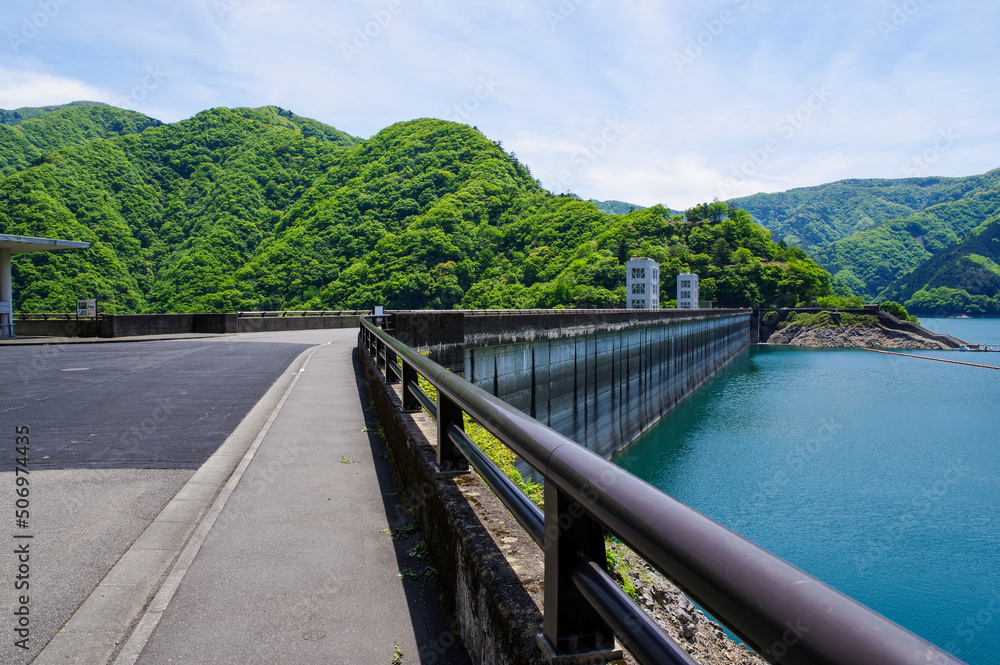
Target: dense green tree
(260, 209)
(877, 236)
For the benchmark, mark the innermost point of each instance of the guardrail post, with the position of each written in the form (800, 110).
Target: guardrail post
(570, 625)
(410, 402)
(390, 372)
(449, 458)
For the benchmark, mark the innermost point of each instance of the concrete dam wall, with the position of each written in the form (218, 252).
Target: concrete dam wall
(599, 378)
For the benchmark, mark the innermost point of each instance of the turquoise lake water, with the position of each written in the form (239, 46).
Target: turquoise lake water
(878, 474)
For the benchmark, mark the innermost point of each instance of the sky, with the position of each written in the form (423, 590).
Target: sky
(643, 101)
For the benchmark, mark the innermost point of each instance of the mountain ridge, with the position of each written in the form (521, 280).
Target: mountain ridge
(262, 209)
(27, 137)
(871, 232)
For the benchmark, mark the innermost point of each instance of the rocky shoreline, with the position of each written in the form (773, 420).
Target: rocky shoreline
(860, 336)
(696, 633)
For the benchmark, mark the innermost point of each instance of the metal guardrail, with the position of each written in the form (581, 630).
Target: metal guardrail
(783, 613)
(303, 312)
(56, 316)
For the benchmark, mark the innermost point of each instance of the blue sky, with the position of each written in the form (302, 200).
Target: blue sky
(643, 101)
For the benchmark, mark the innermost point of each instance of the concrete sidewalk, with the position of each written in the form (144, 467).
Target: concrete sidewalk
(293, 562)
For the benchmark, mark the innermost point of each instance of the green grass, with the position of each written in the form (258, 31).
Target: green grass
(619, 565)
(498, 453)
(825, 320)
(403, 532)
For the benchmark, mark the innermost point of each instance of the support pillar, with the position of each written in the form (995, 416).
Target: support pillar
(6, 295)
(570, 626)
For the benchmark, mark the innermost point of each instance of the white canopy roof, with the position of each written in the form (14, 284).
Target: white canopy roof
(24, 244)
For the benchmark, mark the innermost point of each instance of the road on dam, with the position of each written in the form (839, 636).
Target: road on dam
(115, 431)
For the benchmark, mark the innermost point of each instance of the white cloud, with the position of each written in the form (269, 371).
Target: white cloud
(27, 88)
(560, 81)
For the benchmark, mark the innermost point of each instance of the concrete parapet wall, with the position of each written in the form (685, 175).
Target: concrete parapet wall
(132, 325)
(601, 377)
(448, 334)
(497, 618)
(56, 328)
(603, 389)
(279, 323)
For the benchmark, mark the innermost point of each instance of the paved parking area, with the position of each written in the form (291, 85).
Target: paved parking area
(115, 430)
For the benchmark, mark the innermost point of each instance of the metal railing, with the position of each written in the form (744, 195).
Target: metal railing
(303, 312)
(56, 316)
(784, 614)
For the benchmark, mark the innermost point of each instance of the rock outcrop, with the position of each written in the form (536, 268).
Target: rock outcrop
(860, 336)
(696, 633)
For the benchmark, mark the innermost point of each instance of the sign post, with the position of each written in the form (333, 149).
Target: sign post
(86, 309)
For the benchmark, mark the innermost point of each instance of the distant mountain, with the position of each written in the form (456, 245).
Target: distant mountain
(963, 279)
(817, 216)
(261, 209)
(616, 207)
(17, 116)
(869, 233)
(27, 134)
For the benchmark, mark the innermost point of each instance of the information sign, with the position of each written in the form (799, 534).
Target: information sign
(86, 309)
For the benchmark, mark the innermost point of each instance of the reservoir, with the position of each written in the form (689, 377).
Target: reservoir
(878, 474)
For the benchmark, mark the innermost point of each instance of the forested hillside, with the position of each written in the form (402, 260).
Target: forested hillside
(260, 209)
(26, 134)
(615, 207)
(964, 279)
(869, 233)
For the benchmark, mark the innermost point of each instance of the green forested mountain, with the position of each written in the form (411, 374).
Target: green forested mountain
(613, 207)
(869, 233)
(816, 216)
(260, 209)
(26, 134)
(963, 279)
(16, 116)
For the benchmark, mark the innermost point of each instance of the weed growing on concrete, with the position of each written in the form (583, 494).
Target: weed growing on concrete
(403, 532)
(500, 454)
(348, 460)
(420, 550)
(619, 566)
(428, 573)
(397, 657)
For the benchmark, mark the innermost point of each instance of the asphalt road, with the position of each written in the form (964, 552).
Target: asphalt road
(115, 430)
(149, 405)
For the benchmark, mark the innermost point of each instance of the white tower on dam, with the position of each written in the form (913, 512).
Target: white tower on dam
(642, 283)
(687, 291)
